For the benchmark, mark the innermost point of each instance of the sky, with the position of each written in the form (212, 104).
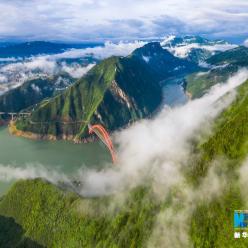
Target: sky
(81, 20)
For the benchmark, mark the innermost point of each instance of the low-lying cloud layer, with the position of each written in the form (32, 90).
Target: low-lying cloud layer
(15, 74)
(246, 42)
(161, 146)
(158, 151)
(183, 49)
(77, 62)
(157, 148)
(11, 173)
(18, 70)
(102, 52)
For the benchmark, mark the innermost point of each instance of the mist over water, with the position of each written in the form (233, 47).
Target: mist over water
(154, 150)
(23, 158)
(157, 148)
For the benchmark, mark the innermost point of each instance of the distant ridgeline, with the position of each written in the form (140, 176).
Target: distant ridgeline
(117, 91)
(33, 48)
(34, 91)
(220, 67)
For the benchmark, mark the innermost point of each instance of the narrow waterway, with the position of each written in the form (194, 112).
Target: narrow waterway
(61, 156)
(64, 157)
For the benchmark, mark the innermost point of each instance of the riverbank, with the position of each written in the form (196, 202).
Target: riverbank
(33, 136)
(25, 158)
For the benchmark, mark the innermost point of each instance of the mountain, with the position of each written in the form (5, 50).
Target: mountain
(189, 39)
(117, 91)
(32, 48)
(114, 92)
(220, 67)
(194, 48)
(47, 215)
(212, 223)
(62, 219)
(33, 91)
(162, 62)
(237, 56)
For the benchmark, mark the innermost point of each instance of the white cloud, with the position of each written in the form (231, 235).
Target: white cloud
(3, 79)
(186, 46)
(246, 42)
(102, 52)
(243, 173)
(160, 147)
(9, 173)
(37, 63)
(183, 50)
(35, 88)
(80, 19)
(8, 59)
(14, 74)
(75, 70)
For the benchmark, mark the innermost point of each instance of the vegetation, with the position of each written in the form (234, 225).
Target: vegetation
(224, 65)
(212, 223)
(36, 213)
(237, 56)
(162, 62)
(198, 84)
(32, 92)
(53, 217)
(114, 92)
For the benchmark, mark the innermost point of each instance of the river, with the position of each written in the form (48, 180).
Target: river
(19, 153)
(61, 156)
(173, 92)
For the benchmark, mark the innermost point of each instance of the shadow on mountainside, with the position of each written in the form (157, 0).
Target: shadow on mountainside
(12, 235)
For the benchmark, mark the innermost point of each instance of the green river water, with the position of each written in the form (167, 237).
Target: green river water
(61, 156)
(16, 153)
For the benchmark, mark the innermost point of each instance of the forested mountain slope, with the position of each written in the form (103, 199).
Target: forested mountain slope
(54, 217)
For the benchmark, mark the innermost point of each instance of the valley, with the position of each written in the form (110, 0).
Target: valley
(176, 110)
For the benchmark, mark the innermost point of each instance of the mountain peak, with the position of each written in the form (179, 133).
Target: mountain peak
(150, 49)
(161, 61)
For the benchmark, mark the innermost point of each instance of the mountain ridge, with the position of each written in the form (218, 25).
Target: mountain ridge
(32, 48)
(221, 66)
(119, 90)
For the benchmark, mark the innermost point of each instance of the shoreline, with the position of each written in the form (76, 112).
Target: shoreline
(33, 136)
